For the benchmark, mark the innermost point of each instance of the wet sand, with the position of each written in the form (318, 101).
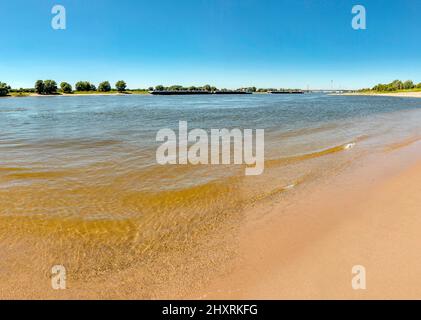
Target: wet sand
(300, 245)
(369, 216)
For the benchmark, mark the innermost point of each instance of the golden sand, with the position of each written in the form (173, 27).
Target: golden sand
(298, 240)
(369, 216)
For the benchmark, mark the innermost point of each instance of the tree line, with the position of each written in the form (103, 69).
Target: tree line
(207, 88)
(396, 86)
(48, 87)
(182, 88)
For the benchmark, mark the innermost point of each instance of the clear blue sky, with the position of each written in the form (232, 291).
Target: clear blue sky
(227, 43)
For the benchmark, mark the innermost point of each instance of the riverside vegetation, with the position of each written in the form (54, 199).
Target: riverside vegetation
(395, 86)
(50, 87)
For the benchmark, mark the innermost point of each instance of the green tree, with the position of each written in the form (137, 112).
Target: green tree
(397, 85)
(159, 88)
(104, 86)
(176, 88)
(207, 88)
(84, 86)
(4, 89)
(50, 87)
(39, 87)
(121, 86)
(66, 87)
(419, 85)
(408, 85)
(80, 86)
(379, 87)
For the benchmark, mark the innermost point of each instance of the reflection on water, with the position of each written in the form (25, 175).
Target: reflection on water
(78, 174)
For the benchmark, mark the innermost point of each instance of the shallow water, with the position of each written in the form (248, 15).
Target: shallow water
(79, 173)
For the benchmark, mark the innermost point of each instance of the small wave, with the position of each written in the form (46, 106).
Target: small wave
(14, 110)
(402, 144)
(81, 143)
(273, 192)
(312, 155)
(349, 146)
(307, 131)
(290, 186)
(11, 169)
(21, 174)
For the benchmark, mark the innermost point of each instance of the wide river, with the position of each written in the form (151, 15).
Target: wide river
(80, 185)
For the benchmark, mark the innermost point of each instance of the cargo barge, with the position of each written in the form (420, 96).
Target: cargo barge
(287, 92)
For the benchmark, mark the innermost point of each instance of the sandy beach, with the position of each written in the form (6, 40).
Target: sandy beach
(415, 94)
(80, 189)
(210, 150)
(369, 216)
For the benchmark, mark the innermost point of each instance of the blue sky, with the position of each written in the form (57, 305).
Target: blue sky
(227, 43)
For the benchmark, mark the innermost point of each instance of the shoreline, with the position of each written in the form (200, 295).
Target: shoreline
(30, 95)
(414, 94)
(36, 95)
(306, 248)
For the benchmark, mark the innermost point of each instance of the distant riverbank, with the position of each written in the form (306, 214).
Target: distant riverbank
(139, 92)
(88, 93)
(405, 94)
